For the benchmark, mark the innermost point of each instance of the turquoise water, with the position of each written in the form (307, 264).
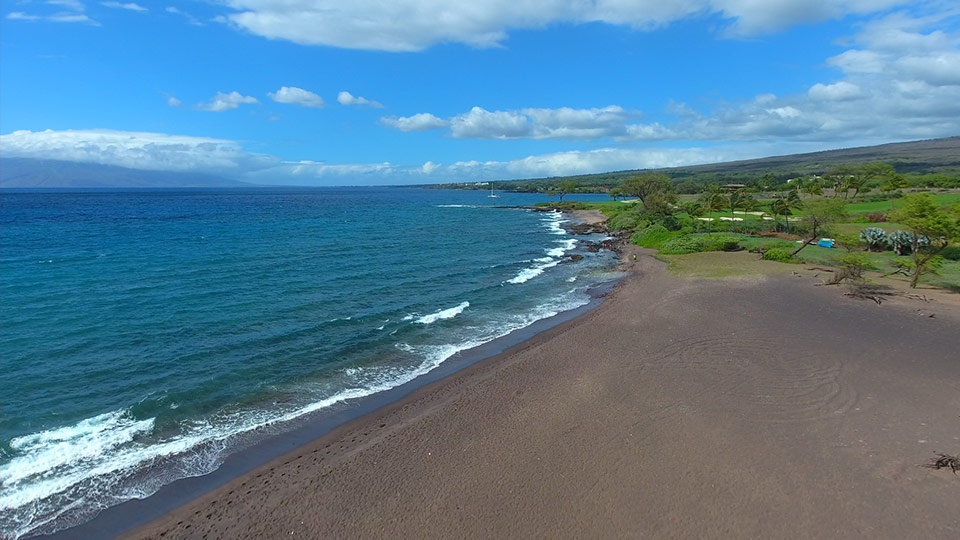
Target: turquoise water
(148, 334)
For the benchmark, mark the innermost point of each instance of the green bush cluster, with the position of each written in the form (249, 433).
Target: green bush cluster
(695, 243)
(627, 221)
(951, 253)
(651, 237)
(777, 254)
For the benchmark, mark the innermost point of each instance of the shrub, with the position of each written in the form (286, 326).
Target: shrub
(951, 253)
(874, 237)
(877, 218)
(777, 254)
(626, 221)
(680, 245)
(902, 242)
(651, 237)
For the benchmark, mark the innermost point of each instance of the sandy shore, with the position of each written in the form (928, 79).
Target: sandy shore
(761, 407)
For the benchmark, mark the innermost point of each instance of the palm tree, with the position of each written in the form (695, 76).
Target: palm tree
(811, 187)
(778, 207)
(791, 202)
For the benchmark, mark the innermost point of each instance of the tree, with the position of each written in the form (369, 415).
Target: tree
(778, 207)
(767, 182)
(567, 186)
(713, 199)
(811, 186)
(651, 188)
(821, 212)
(921, 215)
(735, 200)
(616, 193)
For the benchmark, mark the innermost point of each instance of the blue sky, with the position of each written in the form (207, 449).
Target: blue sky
(328, 92)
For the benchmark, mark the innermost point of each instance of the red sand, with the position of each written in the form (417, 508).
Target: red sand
(762, 408)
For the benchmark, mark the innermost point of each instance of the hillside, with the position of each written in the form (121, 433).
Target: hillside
(918, 157)
(48, 173)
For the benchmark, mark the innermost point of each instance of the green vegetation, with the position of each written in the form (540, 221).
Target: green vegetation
(924, 219)
(893, 208)
(922, 242)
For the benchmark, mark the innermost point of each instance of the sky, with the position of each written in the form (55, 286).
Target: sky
(376, 92)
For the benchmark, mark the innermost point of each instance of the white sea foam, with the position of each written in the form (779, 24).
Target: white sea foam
(448, 313)
(67, 469)
(565, 246)
(554, 220)
(531, 272)
(457, 206)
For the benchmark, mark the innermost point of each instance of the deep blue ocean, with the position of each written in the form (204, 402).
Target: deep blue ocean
(145, 335)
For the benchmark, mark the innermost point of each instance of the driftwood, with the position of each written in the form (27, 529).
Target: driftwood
(867, 291)
(944, 461)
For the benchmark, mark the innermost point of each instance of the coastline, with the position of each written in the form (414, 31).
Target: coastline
(131, 514)
(761, 406)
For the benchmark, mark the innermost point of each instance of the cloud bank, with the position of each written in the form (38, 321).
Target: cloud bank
(136, 150)
(412, 25)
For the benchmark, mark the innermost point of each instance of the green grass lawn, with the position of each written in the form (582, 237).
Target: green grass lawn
(864, 208)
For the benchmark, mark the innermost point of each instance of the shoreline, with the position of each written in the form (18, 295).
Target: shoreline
(128, 516)
(722, 408)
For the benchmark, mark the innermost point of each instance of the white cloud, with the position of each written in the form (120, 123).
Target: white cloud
(841, 91)
(189, 17)
(225, 102)
(173, 102)
(129, 6)
(480, 123)
(21, 16)
(429, 167)
(319, 169)
(412, 25)
(66, 11)
(136, 150)
(296, 96)
(346, 98)
(529, 123)
(417, 122)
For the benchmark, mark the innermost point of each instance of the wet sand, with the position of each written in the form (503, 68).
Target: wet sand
(751, 407)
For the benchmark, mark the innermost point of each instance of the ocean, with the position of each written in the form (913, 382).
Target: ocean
(145, 335)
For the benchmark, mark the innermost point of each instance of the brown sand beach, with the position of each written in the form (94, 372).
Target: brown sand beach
(753, 407)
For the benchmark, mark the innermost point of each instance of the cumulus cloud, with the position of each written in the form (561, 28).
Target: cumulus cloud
(412, 25)
(225, 102)
(296, 96)
(346, 98)
(528, 123)
(129, 6)
(173, 102)
(417, 122)
(136, 150)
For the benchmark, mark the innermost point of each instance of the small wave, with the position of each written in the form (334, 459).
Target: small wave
(457, 206)
(448, 313)
(565, 246)
(529, 273)
(553, 222)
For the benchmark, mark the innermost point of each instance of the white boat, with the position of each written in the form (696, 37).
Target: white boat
(492, 194)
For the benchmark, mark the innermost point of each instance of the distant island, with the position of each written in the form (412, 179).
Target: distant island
(51, 173)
